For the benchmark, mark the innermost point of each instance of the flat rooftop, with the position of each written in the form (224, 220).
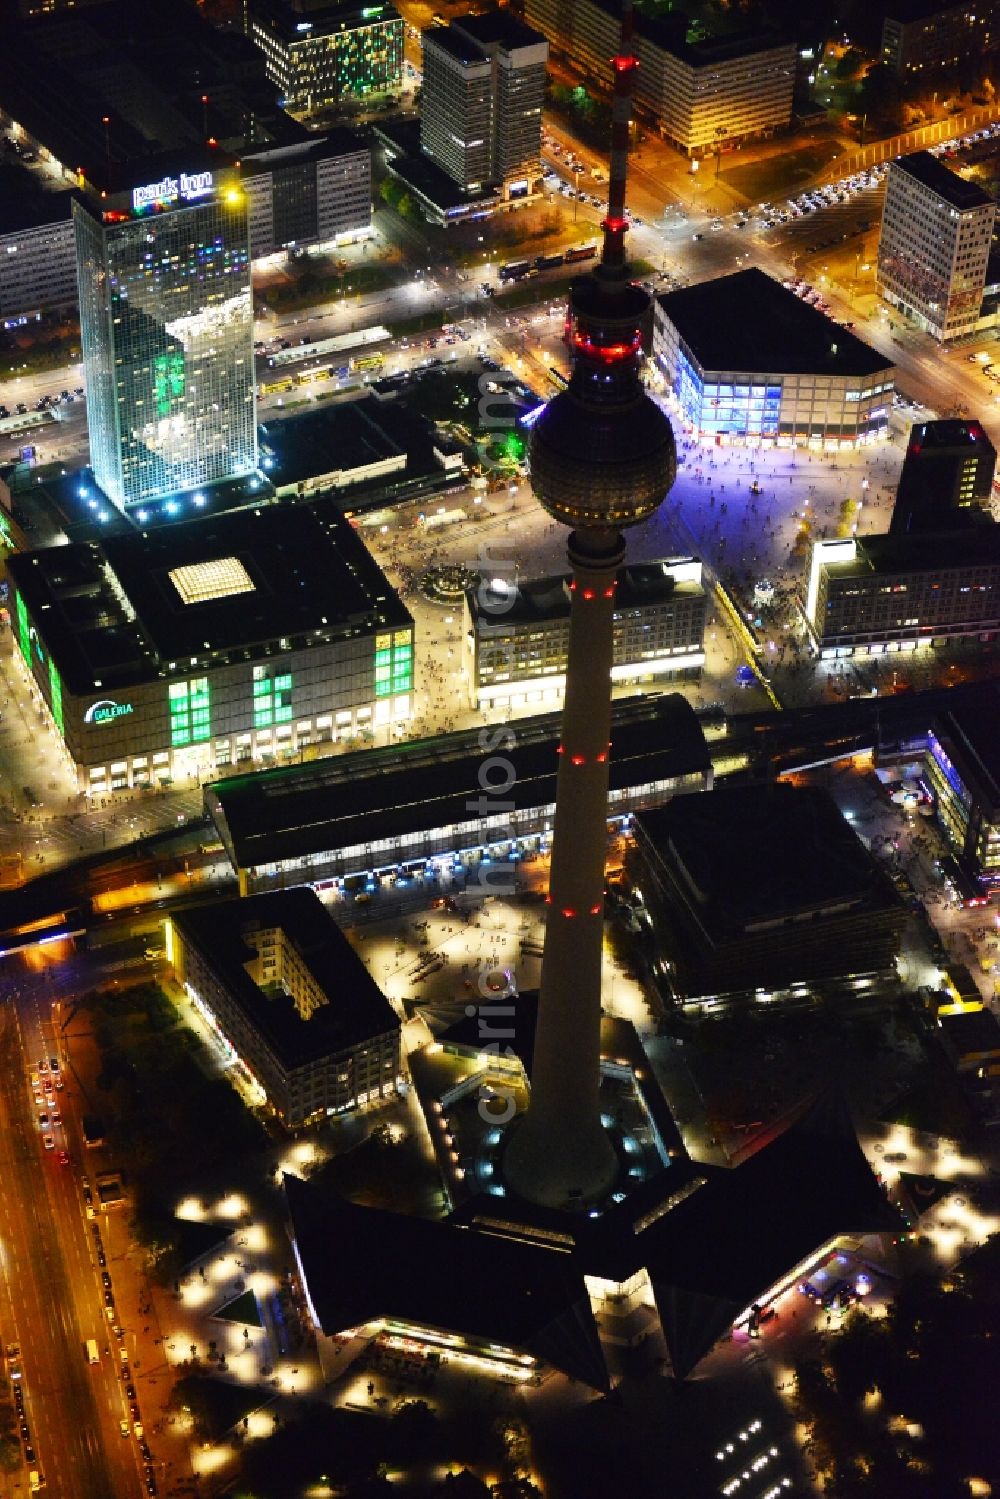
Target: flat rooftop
(294, 22)
(25, 204)
(356, 1009)
(331, 144)
(976, 542)
(453, 40)
(934, 175)
(536, 600)
(952, 435)
(115, 612)
(361, 797)
(143, 67)
(974, 1031)
(750, 855)
(499, 27)
(748, 321)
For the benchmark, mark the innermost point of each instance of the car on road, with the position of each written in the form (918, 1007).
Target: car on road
(54, 1064)
(49, 1143)
(43, 1121)
(106, 1280)
(63, 1158)
(123, 1428)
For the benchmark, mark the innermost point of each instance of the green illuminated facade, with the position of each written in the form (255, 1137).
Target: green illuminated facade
(272, 697)
(393, 663)
(255, 637)
(335, 53)
(190, 712)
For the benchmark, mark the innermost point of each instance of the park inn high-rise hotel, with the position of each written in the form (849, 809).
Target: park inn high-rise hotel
(166, 315)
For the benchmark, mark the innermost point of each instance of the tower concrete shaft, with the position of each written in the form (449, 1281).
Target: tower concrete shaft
(560, 1156)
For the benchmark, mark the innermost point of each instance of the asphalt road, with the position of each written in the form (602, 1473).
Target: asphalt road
(51, 1299)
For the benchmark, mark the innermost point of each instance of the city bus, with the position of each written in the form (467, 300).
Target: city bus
(515, 271)
(582, 252)
(93, 1357)
(272, 387)
(368, 362)
(310, 377)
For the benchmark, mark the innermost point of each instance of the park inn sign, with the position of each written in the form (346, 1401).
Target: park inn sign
(169, 189)
(105, 710)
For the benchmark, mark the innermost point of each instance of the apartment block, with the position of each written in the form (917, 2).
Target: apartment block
(484, 90)
(934, 245)
(921, 37)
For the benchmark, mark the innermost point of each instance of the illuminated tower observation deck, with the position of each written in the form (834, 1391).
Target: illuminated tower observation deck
(602, 458)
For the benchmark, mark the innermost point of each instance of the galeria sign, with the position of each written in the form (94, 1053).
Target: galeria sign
(105, 710)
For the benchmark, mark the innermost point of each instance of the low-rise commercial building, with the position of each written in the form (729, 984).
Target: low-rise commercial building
(321, 54)
(934, 245)
(378, 809)
(871, 595)
(922, 37)
(248, 636)
(748, 361)
(296, 1008)
(704, 94)
(762, 889)
(516, 636)
(963, 767)
(317, 192)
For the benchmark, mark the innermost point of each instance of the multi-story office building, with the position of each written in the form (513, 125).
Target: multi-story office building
(758, 889)
(873, 595)
(297, 1011)
(724, 90)
(37, 249)
(748, 361)
(483, 92)
(166, 318)
(308, 194)
(320, 54)
(934, 246)
(949, 466)
(516, 634)
(246, 636)
(921, 37)
(963, 767)
(702, 94)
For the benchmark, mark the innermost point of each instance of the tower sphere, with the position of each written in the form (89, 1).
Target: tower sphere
(602, 452)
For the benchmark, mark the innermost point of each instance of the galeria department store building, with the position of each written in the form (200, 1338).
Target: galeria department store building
(242, 638)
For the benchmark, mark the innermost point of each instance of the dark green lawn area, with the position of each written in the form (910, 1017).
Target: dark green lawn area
(779, 176)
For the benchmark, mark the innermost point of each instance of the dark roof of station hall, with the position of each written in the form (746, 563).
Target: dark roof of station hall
(749, 322)
(356, 1009)
(382, 793)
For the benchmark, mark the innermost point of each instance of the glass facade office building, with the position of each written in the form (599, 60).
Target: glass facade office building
(166, 316)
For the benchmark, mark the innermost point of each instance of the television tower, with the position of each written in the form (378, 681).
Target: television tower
(602, 458)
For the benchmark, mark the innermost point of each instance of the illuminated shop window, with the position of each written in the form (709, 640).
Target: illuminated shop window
(272, 697)
(190, 712)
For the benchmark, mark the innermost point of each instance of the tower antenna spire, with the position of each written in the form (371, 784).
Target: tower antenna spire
(624, 65)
